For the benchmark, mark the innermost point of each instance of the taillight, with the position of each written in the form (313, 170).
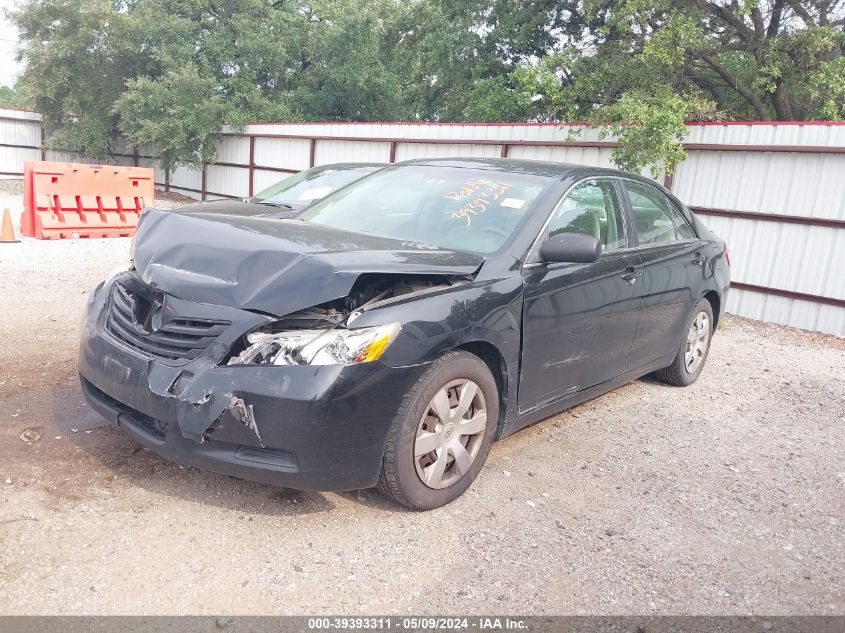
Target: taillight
(727, 257)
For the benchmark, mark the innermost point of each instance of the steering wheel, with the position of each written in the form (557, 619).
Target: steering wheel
(496, 230)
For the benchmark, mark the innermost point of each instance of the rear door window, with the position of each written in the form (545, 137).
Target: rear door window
(656, 219)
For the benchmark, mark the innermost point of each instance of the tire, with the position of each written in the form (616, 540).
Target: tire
(417, 426)
(680, 373)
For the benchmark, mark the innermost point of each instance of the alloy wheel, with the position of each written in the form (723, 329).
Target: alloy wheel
(450, 433)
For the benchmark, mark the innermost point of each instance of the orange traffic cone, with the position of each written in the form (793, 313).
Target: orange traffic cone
(7, 233)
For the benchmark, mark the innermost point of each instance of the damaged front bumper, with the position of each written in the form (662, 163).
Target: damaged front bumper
(304, 427)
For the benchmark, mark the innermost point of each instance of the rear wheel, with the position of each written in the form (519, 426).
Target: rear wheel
(442, 433)
(693, 350)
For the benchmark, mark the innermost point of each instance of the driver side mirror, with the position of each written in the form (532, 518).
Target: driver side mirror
(576, 248)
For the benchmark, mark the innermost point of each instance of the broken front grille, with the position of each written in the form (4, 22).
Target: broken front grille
(139, 321)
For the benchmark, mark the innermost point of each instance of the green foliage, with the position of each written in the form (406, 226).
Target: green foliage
(645, 66)
(177, 114)
(826, 88)
(348, 74)
(668, 46)
(78, 57)
(651, 128)
(12, 98)
(171, 73)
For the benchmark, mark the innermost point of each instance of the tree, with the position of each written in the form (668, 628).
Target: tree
(460, 55)
(178, 115)
(645, 66)
(78, 57)
(13, 98)
(171, 73)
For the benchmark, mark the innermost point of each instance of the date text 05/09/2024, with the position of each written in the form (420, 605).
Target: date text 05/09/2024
(417, 623)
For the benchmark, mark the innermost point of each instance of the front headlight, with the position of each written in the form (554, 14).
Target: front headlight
(317, 347)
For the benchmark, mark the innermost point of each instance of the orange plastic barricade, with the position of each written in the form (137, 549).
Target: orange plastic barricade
(63, 200)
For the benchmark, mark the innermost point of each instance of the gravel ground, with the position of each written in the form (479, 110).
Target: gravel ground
(722, 498)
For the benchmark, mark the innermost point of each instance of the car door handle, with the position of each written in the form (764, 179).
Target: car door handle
(631, 274)
(699, 259)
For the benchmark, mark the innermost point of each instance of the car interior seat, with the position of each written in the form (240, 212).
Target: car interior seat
(653, 227)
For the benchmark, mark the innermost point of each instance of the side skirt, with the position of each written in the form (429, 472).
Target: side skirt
(570, 400)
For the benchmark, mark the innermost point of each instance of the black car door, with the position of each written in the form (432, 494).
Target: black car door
(579, 319)
(673, 260)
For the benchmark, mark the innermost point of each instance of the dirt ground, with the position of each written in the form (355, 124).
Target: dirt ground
(727, 497)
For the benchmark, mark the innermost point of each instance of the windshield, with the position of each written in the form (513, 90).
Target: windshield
(312, 184)
(456, 208)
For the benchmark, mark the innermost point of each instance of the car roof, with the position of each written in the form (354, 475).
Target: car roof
(533, 167)
(345, 166)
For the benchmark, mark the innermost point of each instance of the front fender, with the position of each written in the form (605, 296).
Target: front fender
(488, 312)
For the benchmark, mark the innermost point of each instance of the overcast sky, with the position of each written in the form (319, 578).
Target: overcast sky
(9, 68)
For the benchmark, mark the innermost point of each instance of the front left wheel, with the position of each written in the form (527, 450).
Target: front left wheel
(442, 433)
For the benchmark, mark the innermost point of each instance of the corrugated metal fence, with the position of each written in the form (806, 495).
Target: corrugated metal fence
(775, 192)
(20, 140)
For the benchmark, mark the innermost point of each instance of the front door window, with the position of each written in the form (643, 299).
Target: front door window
(592, 208)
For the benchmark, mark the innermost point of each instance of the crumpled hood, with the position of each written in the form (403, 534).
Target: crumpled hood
(269, 265)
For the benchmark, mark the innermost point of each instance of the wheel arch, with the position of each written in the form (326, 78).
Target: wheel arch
(715, 303)
(495, 361)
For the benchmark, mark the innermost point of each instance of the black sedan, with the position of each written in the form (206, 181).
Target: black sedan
(392, 331)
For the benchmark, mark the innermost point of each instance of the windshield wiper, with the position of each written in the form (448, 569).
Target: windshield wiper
(281, 205)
